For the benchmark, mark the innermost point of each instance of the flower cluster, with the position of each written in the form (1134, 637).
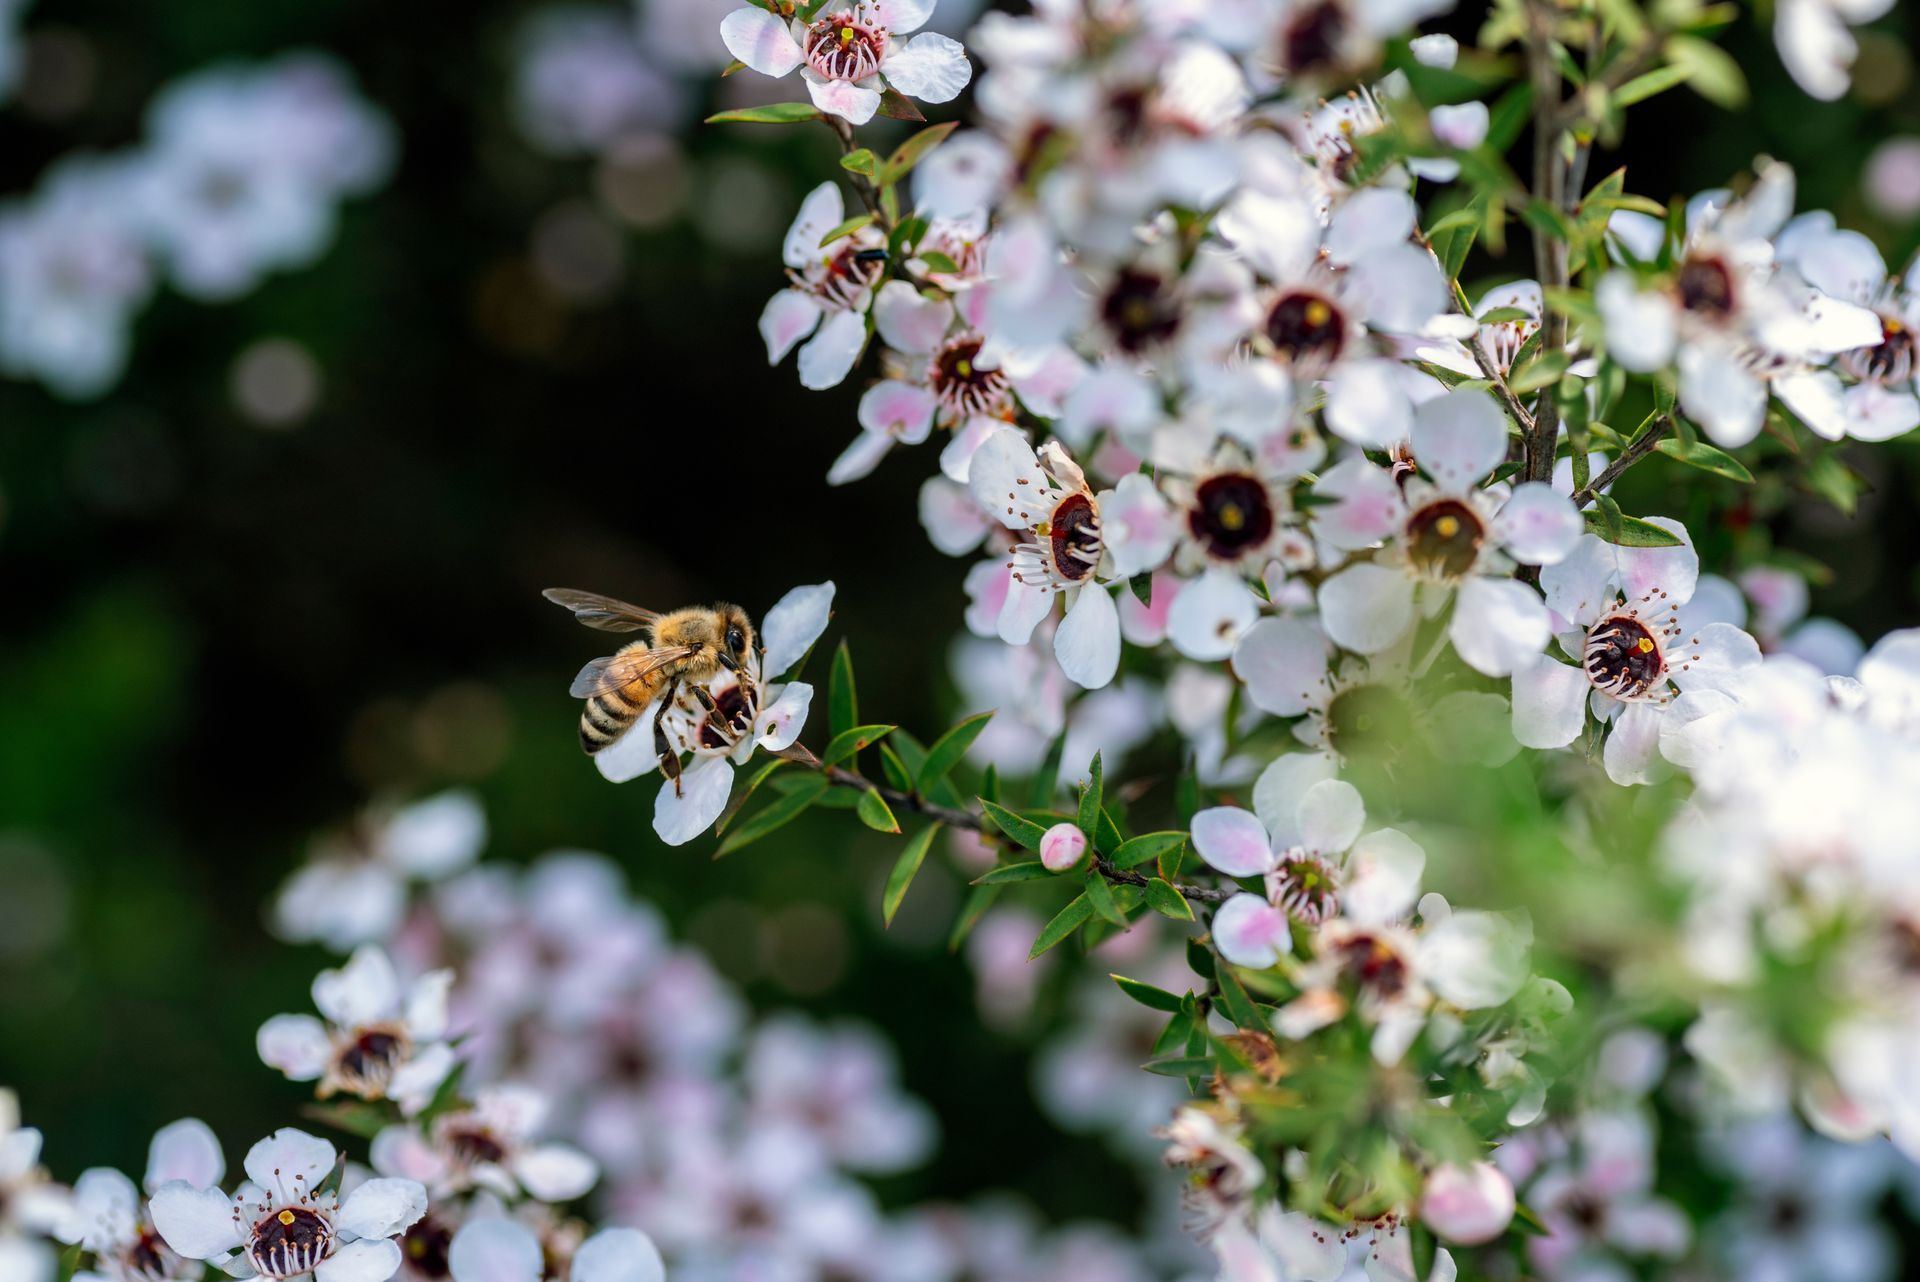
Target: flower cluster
(240, 174)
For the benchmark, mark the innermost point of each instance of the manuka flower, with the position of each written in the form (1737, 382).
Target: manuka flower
(1877, 402)
(1633, 656)
(746, 714)
(490, 1145)
(111, 1222)
(1449, 537)
(380, 1039)
(286, 1221)
(832, 287)
(1314, 860)
(851, 52)
(497, 1249)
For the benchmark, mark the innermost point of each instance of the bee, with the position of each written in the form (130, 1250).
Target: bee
(683, 650)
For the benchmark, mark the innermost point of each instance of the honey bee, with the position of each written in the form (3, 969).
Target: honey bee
(683, 650)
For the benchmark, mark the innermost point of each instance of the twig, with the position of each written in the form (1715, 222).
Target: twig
(861, 184)
(1549, 255)
(841, 777)
(1637, 449)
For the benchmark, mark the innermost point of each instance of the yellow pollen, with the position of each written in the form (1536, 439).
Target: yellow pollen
(1644, 644)
(1893, 326)
(1044, 529)
(1448, 526)
(285, 1217)
(846, 35)
(1232, 517)
(965, 368)
(1318, 313)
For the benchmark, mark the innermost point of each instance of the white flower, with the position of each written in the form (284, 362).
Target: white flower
(831, 290)
(31, 1208)
(1467, 1204)
(354, 889)
(490, 1145)
(852, 52)
(1629, 647)
(281, 1224)
(1878, 401)
(745, 714)
(1449, 538)
(109, 1220)
(1307, 845)
(1814, 42)
(497, 1249)
(380, 1040)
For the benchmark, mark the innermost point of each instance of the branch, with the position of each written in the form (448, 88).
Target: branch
(1549, 255)
(1637, 449)
(841, 777)
(861, 184)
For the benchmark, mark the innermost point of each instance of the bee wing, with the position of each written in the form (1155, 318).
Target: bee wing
(617, 671)
(602, 612)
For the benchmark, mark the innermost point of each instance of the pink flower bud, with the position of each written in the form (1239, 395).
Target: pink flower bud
(1062, 846)
(1467, 1204)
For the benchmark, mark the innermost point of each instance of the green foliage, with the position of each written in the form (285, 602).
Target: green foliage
(783, 810)
(905, 869)
(775, 113)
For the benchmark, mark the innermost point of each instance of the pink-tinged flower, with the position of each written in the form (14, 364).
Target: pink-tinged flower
(745, 714)
(1062, 847)
(1222, 1174)
(1634, 658)
(1448, 537)
(1467, 1204)
(110, 1220)
(1313, 859)
(380, 1039)
(497, 1249)
(490, 1145)
(832, 287)
(1601, 1199)
(1869, 394)
(852, 52)
(279, 1224)
(838, 1084)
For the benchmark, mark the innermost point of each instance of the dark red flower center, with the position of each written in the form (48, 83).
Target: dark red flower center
(1232, 513)
(1443, 538)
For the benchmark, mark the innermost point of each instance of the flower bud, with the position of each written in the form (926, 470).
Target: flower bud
(1062, 846)
(1467, 1204)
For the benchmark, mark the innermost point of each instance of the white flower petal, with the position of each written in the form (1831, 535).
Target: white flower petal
(1278, 790)
(1283, 663)
(1366, 607)
(829, 355)
(1632, 751)
(781, 721)
(1498, 625)
(862, 455)
(899, 411)
(1459, 438)
(363, 1261)
(290, 1161)
(495, 1249)
(956, 456)
(364, 991)
(1330, 815)
(1367, 403)
(761, 40)
(1538, 524)
(1382, 878)
(1475, 959)
(1232, 841)
(555, 1172)
(909, 321)
(1249, 931)
(297, 1045)
(185, 1150)
(1371, 219)
(382, 1207)
(930, 67)
(1721, 394)
(618, 1255)
(1020, 613)
(1716, 658)
(680, 816)
(953, 521)
(792, 626)
(1087, 643)
(1210, 614)
(198, 1223)
(1549, 703)
(1640, 326)
(822, 211)
(1006, 481)
(633, 753)
(1467, 1204)
(853, 103)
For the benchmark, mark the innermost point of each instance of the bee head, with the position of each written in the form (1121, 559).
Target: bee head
(735, 641)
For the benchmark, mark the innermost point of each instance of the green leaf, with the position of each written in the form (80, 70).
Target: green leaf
(1186, 1066)
(1706, 458)
(1509, 116)
(1710, 70)
(1167, 901)
(1141, 586)
(1064, 923)
(914, 150)
(1542, 371)
(1170, 860)
(1239, 1007)
(949, 748)
(1030, 870)
(851, 740)
(1632, 531)
(1047, 779)
(846, 228)
(1024, 831)
(938, 262)
(1090, 804)
(899, 778)
(1835, 482)
(774, 113)
(843, 706)
(895, 105)
(860, 161)
(741, 798)
(979, 899)
(874, 812)
(1645, 86)
(1501, 315)
(990, 782)
(1100, 895)
(778, 813)
(1200, 960)
(1174, 1035)
(1147, 994)
(905, 235)
(905, 868)
(1421, 1245)
(363, 1120)
(1147, 846)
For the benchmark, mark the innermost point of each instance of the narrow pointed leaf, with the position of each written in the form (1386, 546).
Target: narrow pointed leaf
(1145, 848)
(849, 741)
(875, 813)
(774, 113)
(781, 811)
(1167, 901)
(1064, 923)
(949, 748)
(1147, 994)
(1090, 804)
(905, 868)
(1100, 895)
(1023, 831)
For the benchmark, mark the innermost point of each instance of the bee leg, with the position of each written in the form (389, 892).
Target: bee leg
(669, 759)
(718, 721)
